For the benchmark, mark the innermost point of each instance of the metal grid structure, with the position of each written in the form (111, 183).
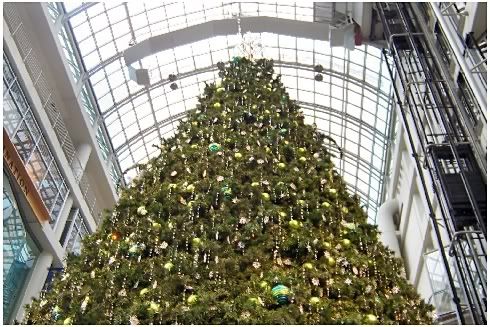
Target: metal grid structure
(352, 103)
(49, 103)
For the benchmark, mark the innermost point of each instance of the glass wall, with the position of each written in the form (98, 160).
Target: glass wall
(19, 251)
(25, 134)
(75, 230)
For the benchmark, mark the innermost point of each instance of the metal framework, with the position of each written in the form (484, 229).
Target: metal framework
(434, 117)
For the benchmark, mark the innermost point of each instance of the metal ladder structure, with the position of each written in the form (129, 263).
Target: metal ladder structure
(448, 160)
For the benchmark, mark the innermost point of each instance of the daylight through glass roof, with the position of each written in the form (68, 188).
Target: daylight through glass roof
(351, 103)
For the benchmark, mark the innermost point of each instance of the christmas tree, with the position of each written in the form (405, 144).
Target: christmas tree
(242, 219)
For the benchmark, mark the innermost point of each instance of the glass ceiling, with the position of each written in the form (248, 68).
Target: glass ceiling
(351, 104)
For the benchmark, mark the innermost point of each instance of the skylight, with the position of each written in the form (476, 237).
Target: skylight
(351, 103)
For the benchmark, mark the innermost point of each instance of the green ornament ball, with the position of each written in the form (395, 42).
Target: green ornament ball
(281, 294)
(214, 147)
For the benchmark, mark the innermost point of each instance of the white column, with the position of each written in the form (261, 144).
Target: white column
(386, 225)
(60, 224)
(81, 158)
(34, 283)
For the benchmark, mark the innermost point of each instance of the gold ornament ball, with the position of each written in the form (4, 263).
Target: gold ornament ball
(281, 165)
(327, 245)
(194, 146)
(217, 105)
(254, 300)
(263, 284)
(333, 191)
(325, 204)
(192, 299)
(302, 150)
(255, 184)
(301, 202)
(68, 321)
(283, 214)
(285, 142)
(294, 224)
(170, 225)
(196, 241)
(190, 188)
(371, 319)
(220, 89)
(155, 307)
(156, 225)
(238, 155)
(194, 123)
(266, 196)
(144, 291)
(168, 266)
(314, 300)
(308, 266)
(345, 242)
(302, 159)
(190, 204)
(331, 261)
(345, 210)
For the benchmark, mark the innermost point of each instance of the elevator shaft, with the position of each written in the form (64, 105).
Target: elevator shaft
(434, 117)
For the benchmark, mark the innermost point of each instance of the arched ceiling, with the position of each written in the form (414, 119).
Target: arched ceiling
(351, 104)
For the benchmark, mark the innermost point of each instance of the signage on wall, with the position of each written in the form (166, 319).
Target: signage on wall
(13, 161)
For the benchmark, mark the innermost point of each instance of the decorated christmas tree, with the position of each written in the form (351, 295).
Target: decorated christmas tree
(242, 219)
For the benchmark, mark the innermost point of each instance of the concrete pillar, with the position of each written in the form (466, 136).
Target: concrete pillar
(80, 161)
(34, 283)
(386, 225)
(60, 224)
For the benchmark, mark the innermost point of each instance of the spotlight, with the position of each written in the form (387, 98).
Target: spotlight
(174, 86)
(318, 77)
(172, 77)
